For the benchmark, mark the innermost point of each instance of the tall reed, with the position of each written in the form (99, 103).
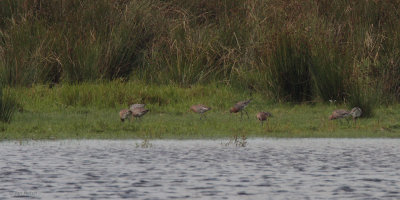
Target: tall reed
(290, 51)
(290, 70)
(8, 106)
(330, 74)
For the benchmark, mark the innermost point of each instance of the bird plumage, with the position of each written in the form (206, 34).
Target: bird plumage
(263, 116)
(124, 114)
(356, 112)
(239, 106)
(200, 108)
(337, 114)
(139, 112)
(136, 105)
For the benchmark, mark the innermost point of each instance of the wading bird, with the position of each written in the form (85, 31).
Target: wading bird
(356, 112)
(200, 108)
(240, 106)
(139, 112)
(263, 116)
(341, 113)
(124, 114)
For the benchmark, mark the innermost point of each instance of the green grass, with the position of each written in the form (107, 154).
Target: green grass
(91, 115)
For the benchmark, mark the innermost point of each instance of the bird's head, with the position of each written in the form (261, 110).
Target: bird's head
(268, 114)
(233, 110)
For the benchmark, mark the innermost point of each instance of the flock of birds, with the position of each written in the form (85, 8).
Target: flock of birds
(138, 110)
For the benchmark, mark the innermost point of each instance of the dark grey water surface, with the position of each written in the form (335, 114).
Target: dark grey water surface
(203, 169)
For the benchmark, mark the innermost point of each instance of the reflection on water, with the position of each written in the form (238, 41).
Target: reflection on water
(206, 169)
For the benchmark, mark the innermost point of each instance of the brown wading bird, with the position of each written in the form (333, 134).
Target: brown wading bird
(200, 108)
(139, 112)
(356, 112)
(263, 116)
(124, 114)
(240, 106)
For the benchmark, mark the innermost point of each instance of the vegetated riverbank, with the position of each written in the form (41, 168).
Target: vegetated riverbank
(90, 111)
(289, 50)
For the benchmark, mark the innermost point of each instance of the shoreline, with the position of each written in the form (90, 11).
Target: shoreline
(91, 111)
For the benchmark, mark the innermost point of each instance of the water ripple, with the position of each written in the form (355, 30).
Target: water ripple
(205, 169)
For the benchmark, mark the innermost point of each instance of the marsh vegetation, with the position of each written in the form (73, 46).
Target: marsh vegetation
(292, 51)
(8, 105)
(91, 58)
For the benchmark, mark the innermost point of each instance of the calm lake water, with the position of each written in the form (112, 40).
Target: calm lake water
(201, 169)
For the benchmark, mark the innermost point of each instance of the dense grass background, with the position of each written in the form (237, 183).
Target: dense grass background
(288, 51)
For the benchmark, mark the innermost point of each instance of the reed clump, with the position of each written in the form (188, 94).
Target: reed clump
(296, 51)
(8, 105)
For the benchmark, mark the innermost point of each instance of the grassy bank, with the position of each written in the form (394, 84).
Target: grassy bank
(68, 66)
(91, 111)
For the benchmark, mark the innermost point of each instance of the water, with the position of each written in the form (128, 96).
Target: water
(203, 169)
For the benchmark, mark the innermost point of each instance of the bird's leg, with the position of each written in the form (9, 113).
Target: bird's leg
(241, 115)
(340, 121)
(347, 120)
(247, 115)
